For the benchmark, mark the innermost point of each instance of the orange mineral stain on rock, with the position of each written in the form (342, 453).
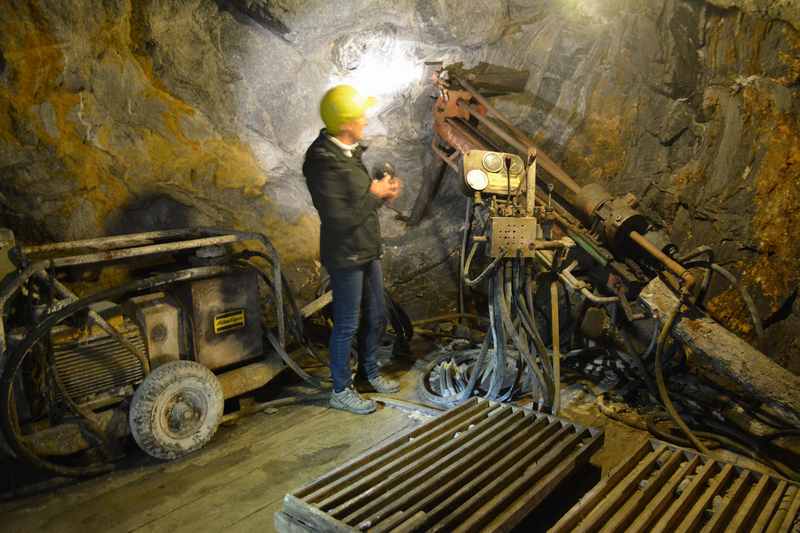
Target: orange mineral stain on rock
(110, 166)
(776, 270)
(597, 152)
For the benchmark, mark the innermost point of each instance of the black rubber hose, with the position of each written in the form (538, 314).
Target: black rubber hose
(298, 317)
(662, 387)
(463, 253)
(746, 298)
(674, 439)
(431, 398)
(498, 332)
(291, 363)
(522, 347)
(399, 318)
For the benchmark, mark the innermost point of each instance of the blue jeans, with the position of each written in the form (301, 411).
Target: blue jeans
(356, 289)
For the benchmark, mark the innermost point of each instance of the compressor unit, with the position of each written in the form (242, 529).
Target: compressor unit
(154, 356)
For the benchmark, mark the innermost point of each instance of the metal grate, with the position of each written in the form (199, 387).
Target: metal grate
(97, 363)
(663, 488)
(482, 465)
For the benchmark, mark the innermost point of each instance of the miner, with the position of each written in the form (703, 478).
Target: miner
(347, 200)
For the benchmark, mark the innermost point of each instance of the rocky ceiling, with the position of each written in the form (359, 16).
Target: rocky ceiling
(124, 115)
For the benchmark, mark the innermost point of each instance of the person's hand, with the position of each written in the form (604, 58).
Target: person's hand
(397, 187)
(385, 188)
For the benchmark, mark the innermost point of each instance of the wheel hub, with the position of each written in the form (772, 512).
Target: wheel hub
(184, 413)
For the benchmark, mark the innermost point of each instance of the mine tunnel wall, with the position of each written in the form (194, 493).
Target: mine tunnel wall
(127, 115)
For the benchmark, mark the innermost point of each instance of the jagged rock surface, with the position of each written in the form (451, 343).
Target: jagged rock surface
(124, 115)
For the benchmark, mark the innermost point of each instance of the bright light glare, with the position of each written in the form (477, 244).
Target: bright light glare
(383, 72)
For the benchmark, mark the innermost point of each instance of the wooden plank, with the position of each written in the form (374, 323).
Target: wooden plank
(588, 502)
(791, 514)
(741, 520)
(733, 499)
(397, 450)
(421, 484)
(692, 520)
(662, 500)
(470, 438)
(315, 305)
(631, 509)
(105, 504)
(279, 466)
(611, 503)
(721, 354)
(420, 434)
(458, 489)
(518, 509)
(770, 507)
(681, 505)
(781, 518)
(489, 493)
(370, 475)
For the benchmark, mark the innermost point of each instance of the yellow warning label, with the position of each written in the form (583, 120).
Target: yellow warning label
(229, 321)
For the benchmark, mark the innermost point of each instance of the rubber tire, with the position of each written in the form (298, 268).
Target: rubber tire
(157, 388)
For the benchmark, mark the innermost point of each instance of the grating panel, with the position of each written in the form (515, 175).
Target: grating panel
(482, 465)
(663, 488)
(98, 362)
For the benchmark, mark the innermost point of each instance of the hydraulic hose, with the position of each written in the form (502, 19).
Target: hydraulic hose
(521, 347)
(662, 387)
(463, 253)
(746, 298)
(490, 268)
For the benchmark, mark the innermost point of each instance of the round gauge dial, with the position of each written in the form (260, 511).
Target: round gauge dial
(492, 162)
(477, 179)
(516, 166)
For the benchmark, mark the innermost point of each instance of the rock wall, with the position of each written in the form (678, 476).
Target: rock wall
(124, 115)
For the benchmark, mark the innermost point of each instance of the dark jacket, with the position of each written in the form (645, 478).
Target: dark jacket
(350, 234)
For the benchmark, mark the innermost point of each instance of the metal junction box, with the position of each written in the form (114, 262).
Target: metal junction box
(161, 323)
(512, 235)
(225, 319)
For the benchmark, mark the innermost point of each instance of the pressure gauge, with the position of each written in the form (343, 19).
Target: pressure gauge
(492, 162)
(477, 179)
(516, 167)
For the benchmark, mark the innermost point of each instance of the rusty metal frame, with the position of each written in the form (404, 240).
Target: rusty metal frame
(126, 247)
(468, 103)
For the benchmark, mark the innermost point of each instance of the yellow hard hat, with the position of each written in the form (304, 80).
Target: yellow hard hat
(342, 104)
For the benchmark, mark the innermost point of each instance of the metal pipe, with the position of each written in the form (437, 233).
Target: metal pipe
(107, 243)
(127, 253)
(554, 326)
(667, 261)
(444, 157)
(575, 283)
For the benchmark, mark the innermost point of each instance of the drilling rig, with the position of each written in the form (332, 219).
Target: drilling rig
(585, 253)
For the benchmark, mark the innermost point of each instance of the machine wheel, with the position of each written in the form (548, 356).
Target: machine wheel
(176, 410)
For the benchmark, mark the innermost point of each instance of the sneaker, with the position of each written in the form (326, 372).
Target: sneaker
(384, 385)
(349, 400)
